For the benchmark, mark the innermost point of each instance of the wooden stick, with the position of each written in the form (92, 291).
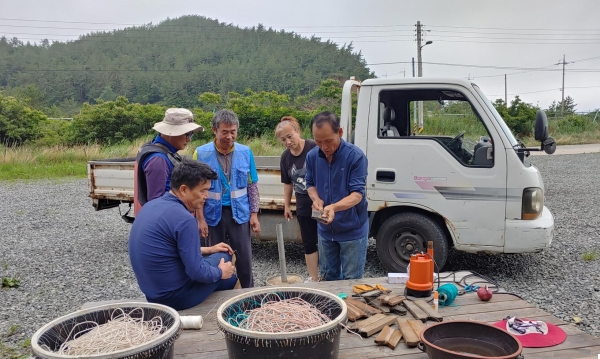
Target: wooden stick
(362, 306)
(377, 326)
(392, 299)
(384, 335)
(365, 322)
(355, 313)
(417, 312)
(417, 326)
(410, 337)
(394, 339)
(431, 313)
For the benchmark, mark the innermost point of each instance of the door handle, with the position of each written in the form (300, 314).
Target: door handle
(385, 176)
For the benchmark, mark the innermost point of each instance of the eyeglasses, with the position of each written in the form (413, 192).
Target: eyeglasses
(189, 135)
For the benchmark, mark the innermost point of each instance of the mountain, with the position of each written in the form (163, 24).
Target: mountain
(172, 63)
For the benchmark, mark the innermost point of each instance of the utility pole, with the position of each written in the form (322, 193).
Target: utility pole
(562, 102)
(419, 49)
(414, 107)
(505, 92)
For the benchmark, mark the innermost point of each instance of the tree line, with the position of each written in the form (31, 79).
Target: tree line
(121, 120)
(169, 64)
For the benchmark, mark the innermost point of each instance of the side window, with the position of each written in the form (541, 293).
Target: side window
(446, 117)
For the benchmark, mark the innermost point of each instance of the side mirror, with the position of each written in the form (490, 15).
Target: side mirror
(549, 145)
(541, 126)
(541, 133)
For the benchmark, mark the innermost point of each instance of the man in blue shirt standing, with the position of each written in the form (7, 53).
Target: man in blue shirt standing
(336, 180)
(170, 266)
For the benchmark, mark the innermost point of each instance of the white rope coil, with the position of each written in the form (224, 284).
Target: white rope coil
(121, 332)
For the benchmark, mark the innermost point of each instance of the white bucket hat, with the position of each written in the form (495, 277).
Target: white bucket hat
(177, 121)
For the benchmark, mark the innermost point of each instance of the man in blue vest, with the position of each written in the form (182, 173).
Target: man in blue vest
(336, 178)
(155, 159)
(231, 210)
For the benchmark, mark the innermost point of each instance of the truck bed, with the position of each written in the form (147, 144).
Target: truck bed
(111, 184)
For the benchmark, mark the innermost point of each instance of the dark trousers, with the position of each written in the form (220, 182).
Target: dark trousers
(239, 238)
(194, 293)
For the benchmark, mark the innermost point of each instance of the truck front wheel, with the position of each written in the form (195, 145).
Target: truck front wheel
(404, 234)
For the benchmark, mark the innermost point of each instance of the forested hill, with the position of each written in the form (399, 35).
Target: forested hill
(172, 63)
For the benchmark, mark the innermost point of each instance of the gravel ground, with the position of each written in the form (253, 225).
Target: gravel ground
(66, 254)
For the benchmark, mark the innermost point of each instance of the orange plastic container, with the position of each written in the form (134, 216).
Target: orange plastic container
(420, 278)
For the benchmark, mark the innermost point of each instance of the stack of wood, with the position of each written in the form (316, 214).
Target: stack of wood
(380, 311)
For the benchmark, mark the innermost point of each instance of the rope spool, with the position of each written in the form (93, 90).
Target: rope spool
(191, 322)
(447, 293)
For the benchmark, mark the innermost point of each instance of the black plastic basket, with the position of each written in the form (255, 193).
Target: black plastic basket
(319, 342)
(48, 339)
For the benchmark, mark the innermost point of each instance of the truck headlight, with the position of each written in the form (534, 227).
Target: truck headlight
(533, 203)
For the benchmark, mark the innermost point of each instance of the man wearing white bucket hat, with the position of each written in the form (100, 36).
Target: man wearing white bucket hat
(155, 159)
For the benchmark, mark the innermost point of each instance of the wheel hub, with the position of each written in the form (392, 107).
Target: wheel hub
(406, 243)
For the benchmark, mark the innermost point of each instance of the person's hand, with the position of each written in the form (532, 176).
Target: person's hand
(254, 223)
(203, 228)
(287, 213)
(318, 204)
(227, 269)
(328, 214)
(221, 247)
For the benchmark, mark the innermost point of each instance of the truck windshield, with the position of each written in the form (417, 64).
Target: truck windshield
(511, 138)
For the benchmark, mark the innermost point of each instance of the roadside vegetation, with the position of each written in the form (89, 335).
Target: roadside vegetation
(34, 146)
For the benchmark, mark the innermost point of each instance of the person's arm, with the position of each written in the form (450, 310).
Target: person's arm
(253, 196)
(357, 182)
(156, 170)
(288, 188)
(188, 246)
(310, 184)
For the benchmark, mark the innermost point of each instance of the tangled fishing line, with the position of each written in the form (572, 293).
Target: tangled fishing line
(121, 332)
(282, 316)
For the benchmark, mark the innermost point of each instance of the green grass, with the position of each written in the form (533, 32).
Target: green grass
(19, 351)
(62, 162)
(590, 256)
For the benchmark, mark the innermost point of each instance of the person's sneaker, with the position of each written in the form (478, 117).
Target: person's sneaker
(309, 280)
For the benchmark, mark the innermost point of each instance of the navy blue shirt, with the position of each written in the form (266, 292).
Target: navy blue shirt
(346, 173)
(164, 248)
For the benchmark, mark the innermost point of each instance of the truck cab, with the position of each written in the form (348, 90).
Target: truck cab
(445, 167)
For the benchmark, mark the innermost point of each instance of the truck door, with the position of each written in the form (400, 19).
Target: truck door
(453, 165)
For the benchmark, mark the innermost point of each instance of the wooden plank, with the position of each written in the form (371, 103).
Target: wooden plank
(394, 339)
(391, 299)
(355, 313)
(377, 304)
(410, 337)
(384, 335)
(417, 312)
(377, 326)
(432, 314)
(417, 326)
(398, 309)
(363, 306)
(365, 322)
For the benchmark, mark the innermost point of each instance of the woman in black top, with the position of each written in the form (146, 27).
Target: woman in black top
(293, 173)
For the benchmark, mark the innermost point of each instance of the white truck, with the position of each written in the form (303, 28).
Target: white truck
(475, 191)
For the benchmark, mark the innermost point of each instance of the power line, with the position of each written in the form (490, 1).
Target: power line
(554, 89)
(292, 26)
(486, 66)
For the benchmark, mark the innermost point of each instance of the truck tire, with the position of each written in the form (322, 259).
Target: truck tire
(404, 234)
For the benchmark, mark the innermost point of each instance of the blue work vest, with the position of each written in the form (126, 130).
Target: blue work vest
(237, 187)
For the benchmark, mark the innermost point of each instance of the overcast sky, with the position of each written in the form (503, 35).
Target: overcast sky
(522, 37)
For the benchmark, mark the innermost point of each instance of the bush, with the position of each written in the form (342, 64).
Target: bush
(18, 122)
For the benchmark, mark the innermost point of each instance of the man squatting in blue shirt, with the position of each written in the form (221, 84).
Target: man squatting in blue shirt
(169, 263)
(336, 177)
